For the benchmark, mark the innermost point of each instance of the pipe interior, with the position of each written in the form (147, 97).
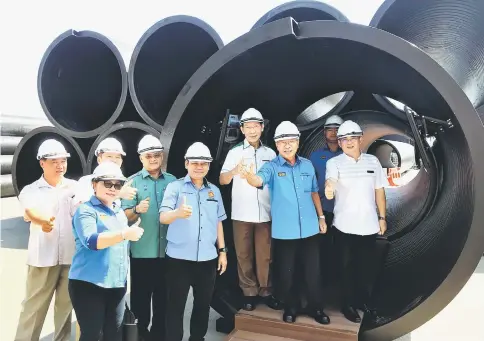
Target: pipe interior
(27, 168)
(81, 83)
(283, 76)
(166, 60)
(129, 138)
(447, 30)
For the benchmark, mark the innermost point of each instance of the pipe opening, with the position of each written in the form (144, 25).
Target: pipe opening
(82, 83)
(281, 76)
(129, 134)
(25, 166)
(164, 59)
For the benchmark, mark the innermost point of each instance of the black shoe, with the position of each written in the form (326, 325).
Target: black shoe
(193, 339)
(321, 317)
(249, 303)
(272, 302)
(351, 314)
(289, 315)
(370, 312)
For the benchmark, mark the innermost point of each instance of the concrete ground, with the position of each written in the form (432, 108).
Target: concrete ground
(460, 320)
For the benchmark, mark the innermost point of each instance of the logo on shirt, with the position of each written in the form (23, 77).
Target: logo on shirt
(323, 157)
(281, 174)
(103, 217)
(211, 195)
(145, 187)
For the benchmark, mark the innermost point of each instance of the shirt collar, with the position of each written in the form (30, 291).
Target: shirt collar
(326, 147)
(247, 144)
(187, 179)
(282, 161)
(42, 183)
(352, 159)
(96, 202)
(145, 174)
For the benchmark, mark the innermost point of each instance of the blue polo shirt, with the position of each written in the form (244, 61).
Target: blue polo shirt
(193, 238)
(107, 268)
(293, 213)
(319, 158)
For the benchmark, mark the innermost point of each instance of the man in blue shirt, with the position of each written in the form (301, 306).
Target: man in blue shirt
(297, 220)
(194, 210)
(319, 158)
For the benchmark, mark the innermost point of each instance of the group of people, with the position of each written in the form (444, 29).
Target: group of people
(85, 235)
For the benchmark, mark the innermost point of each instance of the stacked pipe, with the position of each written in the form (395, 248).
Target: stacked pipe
(302, 61)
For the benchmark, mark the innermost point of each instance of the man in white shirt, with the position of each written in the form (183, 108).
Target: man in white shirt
(357, 182)
(251, 213)
(109, 149)
(51, 245)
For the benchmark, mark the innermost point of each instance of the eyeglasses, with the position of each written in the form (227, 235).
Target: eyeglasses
(349, 139)
(117, 185)
(153, 156)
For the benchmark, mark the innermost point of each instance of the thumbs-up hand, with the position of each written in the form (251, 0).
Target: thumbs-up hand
(48, 225)
(248, 172)
(239, 169)
(185, 210)
(143, 206)
(128, 192)
(329, 189)
(134, 232)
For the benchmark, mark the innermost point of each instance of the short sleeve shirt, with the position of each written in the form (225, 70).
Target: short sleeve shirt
(291, 186)
(249, 204)
(193, 238)
(355, 210)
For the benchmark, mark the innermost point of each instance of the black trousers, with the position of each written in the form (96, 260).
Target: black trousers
(327, 252)
(147, 284)
(99, 311)
(288, 256)
(181, 275)
(357, 260)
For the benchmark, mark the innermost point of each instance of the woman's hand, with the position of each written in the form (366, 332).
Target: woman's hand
(134, 232)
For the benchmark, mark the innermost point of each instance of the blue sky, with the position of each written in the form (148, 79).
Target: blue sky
(28, 27)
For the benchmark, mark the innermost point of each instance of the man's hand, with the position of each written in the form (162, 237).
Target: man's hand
(329, 189)
(134, 232)
(239, 169)
(185, 210)
(128, 192)
(248, 172)
(322, 226)
(143, 206)
(222, 262)
(383, 227)
(48, 225)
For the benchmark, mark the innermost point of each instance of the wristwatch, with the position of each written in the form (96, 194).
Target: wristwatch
(322, 217)
(381, 218)
(134, 210)
(222, 249)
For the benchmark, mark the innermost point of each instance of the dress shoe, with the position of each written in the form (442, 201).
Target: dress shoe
(272, 302)
(351, 314)
(369, 312)
(289, 315)
(321, 317)
(249, 303)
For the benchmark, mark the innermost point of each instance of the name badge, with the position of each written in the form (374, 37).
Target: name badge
(370, 171)
(281, 174)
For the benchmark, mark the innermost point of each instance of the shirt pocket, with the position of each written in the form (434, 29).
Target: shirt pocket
(307, 183)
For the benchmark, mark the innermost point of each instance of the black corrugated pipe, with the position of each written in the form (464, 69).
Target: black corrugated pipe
(82, 83)
(447, 30)
(279, 69)
(6, 186)
(164, 58)
(129, 134)
(25, 166)
(12, 125)
(310, 11)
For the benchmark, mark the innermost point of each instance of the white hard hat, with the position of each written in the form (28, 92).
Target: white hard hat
(109, 145)
(349, 128)
(333, 121)
(149, 144)
(108, 171)
(51, 149)
(251, 115)
(286, 131)
(198, 152)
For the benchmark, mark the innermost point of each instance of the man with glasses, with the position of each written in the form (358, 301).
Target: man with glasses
(148, 253)
(356, 180)
(297, 219)
(251, 213)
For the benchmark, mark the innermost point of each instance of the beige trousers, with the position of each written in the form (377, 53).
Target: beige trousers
(253, 239)
(42, 283)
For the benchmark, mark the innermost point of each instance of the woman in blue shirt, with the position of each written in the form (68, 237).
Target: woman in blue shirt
(97, 278)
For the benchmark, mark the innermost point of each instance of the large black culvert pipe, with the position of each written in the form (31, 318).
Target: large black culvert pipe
(8, 144)
(447, 30)
(6, 163)
(310, 11)
(20, 125)
(25, 166)
(164, 58)
(6, 186)
(279, 70)
(82, 83)
(129, 134)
